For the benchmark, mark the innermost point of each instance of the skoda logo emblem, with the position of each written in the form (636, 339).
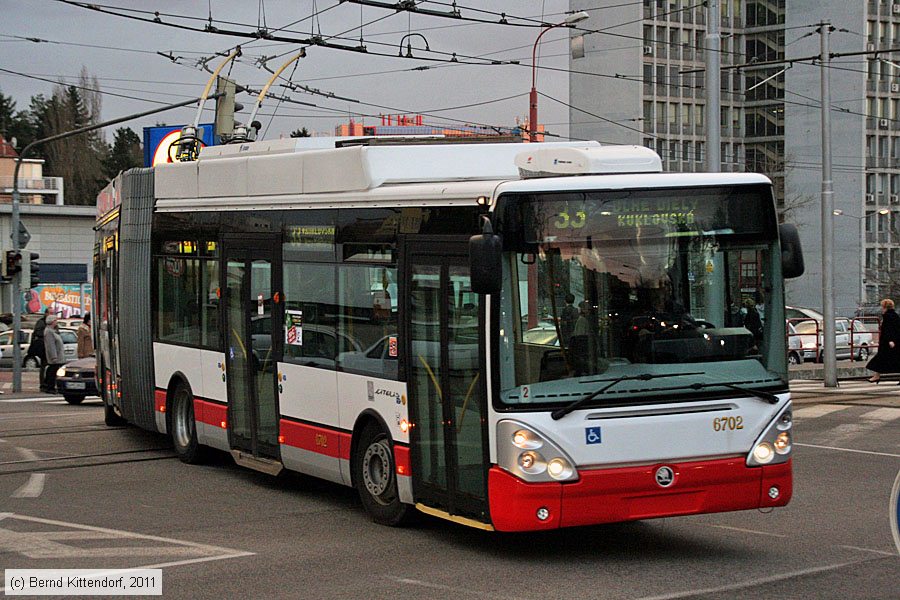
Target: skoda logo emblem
(665, 476)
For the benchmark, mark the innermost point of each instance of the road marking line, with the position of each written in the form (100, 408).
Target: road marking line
(755, 582)
(849, 450)
(882, 414)
(881, 552)
(206, 548)
(820, 410)
(32, 488)
(778, 535)
(449, 588)
(21, 400)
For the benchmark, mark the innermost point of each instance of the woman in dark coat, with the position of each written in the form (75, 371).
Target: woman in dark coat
(888, 358)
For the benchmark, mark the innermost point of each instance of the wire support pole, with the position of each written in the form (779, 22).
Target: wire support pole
(713, 90)
(830, 365)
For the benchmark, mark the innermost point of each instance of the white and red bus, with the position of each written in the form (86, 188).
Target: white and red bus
(512, 337)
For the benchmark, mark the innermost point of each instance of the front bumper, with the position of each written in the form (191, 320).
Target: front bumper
(631, 493)
(77, 386)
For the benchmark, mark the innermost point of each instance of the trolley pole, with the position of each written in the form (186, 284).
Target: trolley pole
(827, 214)
(713, 88)
(14, 220)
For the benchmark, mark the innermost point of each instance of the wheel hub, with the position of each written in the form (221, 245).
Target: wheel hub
(376, 469)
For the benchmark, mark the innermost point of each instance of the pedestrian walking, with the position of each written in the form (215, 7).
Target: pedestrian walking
(56, 353)
(36, 347)
(888, 358)
(85, 340)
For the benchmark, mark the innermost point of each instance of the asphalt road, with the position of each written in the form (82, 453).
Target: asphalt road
(75, 494)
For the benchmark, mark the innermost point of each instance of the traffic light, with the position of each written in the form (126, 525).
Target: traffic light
(12, 263)
(34, 269)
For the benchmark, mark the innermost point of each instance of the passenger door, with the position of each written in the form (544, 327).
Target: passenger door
(250, 344)
(446, 385)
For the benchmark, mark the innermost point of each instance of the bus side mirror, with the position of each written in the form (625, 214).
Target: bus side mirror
(791, 253)
(485, 265)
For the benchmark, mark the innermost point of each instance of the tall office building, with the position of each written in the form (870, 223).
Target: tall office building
(643, 81)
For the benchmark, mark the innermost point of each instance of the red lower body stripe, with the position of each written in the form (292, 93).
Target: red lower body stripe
(631, 493)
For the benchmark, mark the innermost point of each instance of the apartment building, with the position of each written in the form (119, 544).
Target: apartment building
(645, 75)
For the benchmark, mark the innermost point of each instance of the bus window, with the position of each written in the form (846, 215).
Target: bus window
(368, 307)
(310, 315)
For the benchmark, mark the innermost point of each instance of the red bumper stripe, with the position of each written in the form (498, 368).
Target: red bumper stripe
(631, 493)
(315, 439)
(210, 413)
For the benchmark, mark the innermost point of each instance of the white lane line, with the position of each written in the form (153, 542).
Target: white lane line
(882, 414)
(449, 588)
(22, 400)
(19, 416)
(33, 488)
(849, 450)
(872, 550)
(218, 552)
(820, 410)
(778, 535)
(755, 582)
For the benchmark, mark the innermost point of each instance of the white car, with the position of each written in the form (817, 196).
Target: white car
(70, 344)
(812, 338)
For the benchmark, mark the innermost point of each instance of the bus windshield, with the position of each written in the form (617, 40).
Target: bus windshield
(683, 285)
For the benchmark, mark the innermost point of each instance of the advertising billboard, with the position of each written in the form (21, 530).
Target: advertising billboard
(157, 141)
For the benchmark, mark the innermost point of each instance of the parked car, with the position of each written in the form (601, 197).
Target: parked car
(812, 338)
(794, 345)
(798, 312)
(77, 380)
(70, 344)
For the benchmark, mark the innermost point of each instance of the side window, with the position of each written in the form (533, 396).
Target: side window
(367, 301)
(178, 306)
(6, 338)
(310, 315)
(209, 305)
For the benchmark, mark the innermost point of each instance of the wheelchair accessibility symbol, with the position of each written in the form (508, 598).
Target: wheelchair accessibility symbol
(592, 435)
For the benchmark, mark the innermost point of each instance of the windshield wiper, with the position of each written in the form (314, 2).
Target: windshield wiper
(766, 396)
(559, 413)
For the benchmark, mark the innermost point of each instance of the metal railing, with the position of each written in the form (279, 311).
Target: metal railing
(858, 342)
(50, 184)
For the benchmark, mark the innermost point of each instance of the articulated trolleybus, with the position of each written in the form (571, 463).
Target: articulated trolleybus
(512, 337)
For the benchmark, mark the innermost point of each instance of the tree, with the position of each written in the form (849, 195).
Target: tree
(79, 160)
(14, 125)
(125, 152)
(303, 132)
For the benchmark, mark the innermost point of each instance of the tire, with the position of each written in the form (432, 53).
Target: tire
(31, 362)
(183, 427)
(73, 399)
(374, 475)
(863, 353)
(794, 359)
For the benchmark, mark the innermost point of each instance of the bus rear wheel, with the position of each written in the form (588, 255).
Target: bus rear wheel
(183, 426)
(374, 474)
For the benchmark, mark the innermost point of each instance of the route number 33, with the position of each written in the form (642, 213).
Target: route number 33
(565, 220)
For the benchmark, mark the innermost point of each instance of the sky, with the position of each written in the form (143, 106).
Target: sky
(123, 54)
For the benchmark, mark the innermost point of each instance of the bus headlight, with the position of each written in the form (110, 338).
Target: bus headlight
(526, 440)
(560, 469)
(774, 445)
(783, 442)
(530, 455)
(764, 453)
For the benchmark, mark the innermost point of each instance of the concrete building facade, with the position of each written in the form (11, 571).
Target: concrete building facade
(647, 77)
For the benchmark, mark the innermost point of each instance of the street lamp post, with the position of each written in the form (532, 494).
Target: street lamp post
(569, 21)
(862, 254)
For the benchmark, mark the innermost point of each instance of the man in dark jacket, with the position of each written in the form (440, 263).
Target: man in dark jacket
(36, 348)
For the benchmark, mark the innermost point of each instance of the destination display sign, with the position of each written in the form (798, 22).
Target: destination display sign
(745, 210)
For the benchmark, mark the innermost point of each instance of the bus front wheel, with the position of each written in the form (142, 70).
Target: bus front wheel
(183, 426)
(374, 474)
